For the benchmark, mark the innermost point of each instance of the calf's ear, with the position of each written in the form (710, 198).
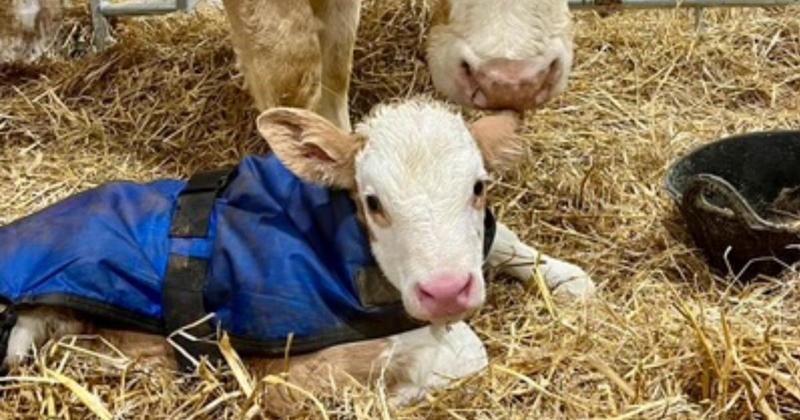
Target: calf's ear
(311, 146)
(497, 139)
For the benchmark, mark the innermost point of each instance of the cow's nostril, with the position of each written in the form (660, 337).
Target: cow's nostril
(447, 294)
(467, 286)
(554, 71)
(551, 77)
(424, 293)
(466, 68)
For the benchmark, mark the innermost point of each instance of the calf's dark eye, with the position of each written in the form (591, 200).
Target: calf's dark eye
(373, 204)
(478, 188)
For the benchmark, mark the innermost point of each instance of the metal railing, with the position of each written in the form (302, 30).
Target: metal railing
(102, 9)
(665, 4)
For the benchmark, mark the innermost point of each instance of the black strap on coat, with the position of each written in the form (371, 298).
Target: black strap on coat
(182, 299)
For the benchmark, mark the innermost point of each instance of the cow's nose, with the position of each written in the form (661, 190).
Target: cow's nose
(515, 84)
(447, 294)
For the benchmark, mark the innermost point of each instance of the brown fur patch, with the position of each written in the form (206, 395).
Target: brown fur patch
(300, 137)
(277, 43)
(337, 38)
(147, 348)
(497, 139)
(347, 364)
(441, 13)
(320, 372)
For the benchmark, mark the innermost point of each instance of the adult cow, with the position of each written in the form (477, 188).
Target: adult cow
(485, 54)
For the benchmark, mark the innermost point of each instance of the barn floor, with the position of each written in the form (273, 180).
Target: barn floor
(665, 338)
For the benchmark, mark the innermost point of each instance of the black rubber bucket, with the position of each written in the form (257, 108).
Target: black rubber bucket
(740, 198)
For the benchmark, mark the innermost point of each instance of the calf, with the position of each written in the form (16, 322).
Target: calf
(27, 28)
(286, 248)
(484, 54)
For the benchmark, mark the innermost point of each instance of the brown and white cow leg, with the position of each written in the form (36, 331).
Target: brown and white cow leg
(277, 43)
(321, 372)
(147, 349)
(36, 325)
(409, 365)
(337, 39)
(517, 259)
(432, 358)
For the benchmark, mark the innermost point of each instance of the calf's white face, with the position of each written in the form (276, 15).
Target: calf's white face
(422, 181)
(500, 54)
(417, 174)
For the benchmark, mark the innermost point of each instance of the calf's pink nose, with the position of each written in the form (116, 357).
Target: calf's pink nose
(515, 84)
(447, 294)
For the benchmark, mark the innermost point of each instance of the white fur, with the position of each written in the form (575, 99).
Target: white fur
(422, 162)
(519, 260)
(537, 31)
(36, 325)
(480, 30)
(27, 11)
(434, 357)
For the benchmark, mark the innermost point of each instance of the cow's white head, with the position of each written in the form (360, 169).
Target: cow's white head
(417, 174)
(500, 54)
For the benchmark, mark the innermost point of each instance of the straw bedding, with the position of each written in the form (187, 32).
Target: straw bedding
(665, 338)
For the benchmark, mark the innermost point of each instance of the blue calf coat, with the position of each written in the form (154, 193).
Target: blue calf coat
(283, 257)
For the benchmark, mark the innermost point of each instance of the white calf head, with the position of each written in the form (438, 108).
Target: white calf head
(500, 54)
(417, 174)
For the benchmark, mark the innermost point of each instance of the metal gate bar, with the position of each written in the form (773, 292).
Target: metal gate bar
(656, 4)
(139, 9)
(101, 9)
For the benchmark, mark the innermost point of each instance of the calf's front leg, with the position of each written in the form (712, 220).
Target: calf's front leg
(432, 358)
(409, 365)
(518, 259)
(36, 325)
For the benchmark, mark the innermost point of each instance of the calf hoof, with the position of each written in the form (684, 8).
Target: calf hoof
(577, 287)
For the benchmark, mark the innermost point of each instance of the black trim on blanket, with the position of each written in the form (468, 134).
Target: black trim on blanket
(183, 301)
(100, 312)
(111, 316)
(186, 276)
(356, 330)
